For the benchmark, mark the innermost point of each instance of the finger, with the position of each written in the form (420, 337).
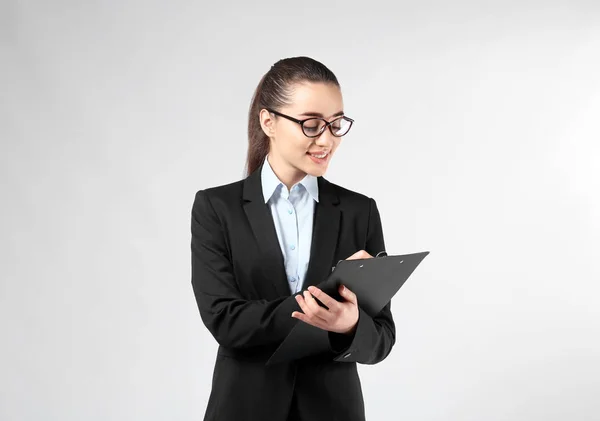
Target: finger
(361, 254)
(348, 295)
(302, 304)
(364, 254)
(331, 303)
(307, 308)
(308, 320)
(315, 308)
(354, 256)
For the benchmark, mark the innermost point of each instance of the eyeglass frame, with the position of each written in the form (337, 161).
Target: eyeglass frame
(327, 123)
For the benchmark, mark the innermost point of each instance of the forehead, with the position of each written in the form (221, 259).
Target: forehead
(323, 98)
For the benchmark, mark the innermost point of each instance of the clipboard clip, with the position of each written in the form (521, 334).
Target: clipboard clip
(380, 254)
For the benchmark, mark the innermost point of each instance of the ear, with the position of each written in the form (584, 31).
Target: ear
(267, 122)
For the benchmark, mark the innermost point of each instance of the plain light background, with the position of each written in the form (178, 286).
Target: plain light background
(477, 132)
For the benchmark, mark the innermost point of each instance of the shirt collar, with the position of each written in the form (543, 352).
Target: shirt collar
(270, 183)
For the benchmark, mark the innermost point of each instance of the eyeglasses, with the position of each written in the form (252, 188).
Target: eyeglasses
(315, 126)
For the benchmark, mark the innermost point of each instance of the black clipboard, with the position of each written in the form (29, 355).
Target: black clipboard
(374, 281)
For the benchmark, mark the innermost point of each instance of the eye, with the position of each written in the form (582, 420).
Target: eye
(313, 126)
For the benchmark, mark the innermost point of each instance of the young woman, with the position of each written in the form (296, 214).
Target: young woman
(261, 245)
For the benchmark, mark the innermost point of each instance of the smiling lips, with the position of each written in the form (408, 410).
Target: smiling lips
(319, 155)
(319, 159)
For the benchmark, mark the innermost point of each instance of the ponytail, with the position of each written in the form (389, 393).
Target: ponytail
(258, 141)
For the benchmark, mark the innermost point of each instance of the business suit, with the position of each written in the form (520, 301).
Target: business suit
(241, 288)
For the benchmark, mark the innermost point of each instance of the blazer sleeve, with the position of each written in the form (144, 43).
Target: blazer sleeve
(373, 337)
(234, 321)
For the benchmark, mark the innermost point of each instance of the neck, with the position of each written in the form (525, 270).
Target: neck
(286, 174)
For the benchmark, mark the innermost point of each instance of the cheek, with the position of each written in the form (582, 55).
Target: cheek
(299, 145)
(335, 146)
(293, 149)
(293, 142)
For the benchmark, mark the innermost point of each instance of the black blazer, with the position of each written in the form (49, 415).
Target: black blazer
(240, 285)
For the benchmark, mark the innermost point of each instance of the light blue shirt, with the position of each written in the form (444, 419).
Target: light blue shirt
(292, 213)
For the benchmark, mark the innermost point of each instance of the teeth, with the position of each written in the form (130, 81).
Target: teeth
(319, 156)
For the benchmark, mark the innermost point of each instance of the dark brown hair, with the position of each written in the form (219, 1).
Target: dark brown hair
(273, 91)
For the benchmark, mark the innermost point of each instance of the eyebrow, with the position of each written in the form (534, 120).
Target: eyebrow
(313, 114)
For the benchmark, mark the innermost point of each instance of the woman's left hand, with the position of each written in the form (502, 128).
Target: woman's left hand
(341, 317)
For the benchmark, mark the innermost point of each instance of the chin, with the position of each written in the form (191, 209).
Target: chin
(316, 172)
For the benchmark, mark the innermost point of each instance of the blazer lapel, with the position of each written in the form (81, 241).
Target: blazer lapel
(326, 226)
(261, 221)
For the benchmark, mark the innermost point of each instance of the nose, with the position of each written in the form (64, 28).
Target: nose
(326, 139)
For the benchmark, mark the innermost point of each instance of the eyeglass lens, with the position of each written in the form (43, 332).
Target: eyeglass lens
(315, 126)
